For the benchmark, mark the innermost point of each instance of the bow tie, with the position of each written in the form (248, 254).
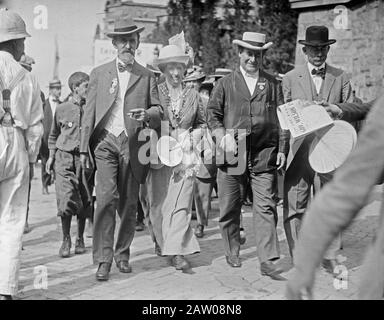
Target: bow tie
(251, 75)
(124, 67)
(319, 72)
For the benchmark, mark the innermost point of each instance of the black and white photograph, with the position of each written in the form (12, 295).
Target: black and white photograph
(205, 152)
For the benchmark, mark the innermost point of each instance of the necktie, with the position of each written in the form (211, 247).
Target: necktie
(319, 72)
(124, 67)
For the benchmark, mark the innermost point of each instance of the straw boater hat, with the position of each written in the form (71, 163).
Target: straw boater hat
(220, 72)
(253, 41)
(55, 83)
(168, 54)
(317, 36)
(124, 26)
(12, 26)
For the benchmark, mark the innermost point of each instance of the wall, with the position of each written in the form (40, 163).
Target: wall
(359, 47)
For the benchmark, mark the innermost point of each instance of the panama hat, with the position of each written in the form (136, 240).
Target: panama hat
(169, 151)
(168, 54)
(331, 146)
(124, 26)
(221, 72)
(55, 83)
(317, 36)
(12, 26)
(253, 41)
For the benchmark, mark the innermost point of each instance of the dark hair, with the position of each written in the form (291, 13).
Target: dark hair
(7, 45)
(77, 79)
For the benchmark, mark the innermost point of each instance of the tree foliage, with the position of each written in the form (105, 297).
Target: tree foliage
(211, 34)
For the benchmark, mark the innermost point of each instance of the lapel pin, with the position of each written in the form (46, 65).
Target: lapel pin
(113, 86)
(70, 124)
(261, 85)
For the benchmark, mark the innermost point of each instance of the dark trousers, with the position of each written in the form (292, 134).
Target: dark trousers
(299, 184)
(46, 178)
(264, 212)
(116, 189)
(202, 194)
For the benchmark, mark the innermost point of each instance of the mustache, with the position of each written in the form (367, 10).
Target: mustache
(128, 51)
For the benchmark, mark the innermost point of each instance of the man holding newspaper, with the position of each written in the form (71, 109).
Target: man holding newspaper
(315, 81)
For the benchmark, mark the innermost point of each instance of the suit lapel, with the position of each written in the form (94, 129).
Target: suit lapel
(305, 82)
(134, 77)
(241, 85)
(260, 85)
(328, 82)
(111, 84)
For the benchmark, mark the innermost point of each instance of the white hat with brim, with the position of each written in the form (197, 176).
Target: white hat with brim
(253, 41)
(124, 27)
(169, 151)
(12, 26)
(171, 54)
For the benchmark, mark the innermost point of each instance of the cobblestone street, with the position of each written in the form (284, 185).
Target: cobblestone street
(153, 278)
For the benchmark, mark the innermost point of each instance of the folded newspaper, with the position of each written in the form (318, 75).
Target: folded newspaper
(302, 117)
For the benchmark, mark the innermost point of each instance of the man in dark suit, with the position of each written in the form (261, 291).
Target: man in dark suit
(314, 81)
(49, 107)
(122, 99)
(246, 101)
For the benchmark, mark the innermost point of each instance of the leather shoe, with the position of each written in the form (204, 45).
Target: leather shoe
(5, 297)
(199, 232)
(65, 249)
(269, 269)
(102, 273)
(243, 238)
(157, 249)
(329, 265)
(124, 266)
(233, 261)
(180, 263)
(79, 246)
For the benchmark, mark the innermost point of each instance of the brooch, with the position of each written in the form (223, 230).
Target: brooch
(113, 86)
(70, 124)
(261, 85)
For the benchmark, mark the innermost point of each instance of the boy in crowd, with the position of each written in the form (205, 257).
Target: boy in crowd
(72, 192)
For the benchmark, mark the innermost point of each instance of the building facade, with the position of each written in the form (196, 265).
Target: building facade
(358, 27)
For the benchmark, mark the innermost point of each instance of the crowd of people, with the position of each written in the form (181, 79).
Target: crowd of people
(218, 131)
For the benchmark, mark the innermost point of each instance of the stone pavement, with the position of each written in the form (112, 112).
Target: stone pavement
(153, 278)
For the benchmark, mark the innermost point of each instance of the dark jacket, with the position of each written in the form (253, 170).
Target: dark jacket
(231, 106)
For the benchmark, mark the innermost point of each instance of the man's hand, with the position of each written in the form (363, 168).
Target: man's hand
(48, 165)
(84, 161)
(31, 170)
(280, 162)
(299, 286)
(139, 114)
(228, 144)
(333, 110)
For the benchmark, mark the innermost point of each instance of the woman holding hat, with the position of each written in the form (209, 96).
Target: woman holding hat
(184, 110)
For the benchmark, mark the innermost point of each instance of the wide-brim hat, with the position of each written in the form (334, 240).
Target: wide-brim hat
(12, 26)
(253, 41)
(195, 76)
(169, 151)
(171, 54)
(317, 36)
(153, 69)
(124, 26)
(221, 72)
(55, 84)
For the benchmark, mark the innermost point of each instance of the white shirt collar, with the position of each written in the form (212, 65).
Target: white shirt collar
(245, 74)
(311, 67)
(6, 55)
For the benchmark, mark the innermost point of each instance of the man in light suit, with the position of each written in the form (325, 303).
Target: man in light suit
(122, 99)
(334, 208)
(314, 81)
